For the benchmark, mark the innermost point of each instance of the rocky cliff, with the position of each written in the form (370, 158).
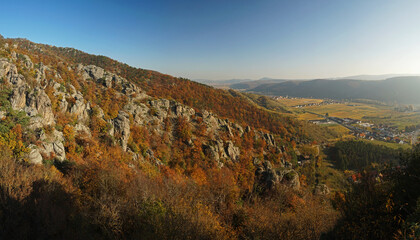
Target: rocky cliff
(46, 93)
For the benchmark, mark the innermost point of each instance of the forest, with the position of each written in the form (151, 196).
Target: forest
(357, 155)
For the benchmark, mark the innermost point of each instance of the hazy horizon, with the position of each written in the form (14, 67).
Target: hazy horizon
(232, 40)
(312, 78)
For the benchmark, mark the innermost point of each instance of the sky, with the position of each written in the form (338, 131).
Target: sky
(225, 39)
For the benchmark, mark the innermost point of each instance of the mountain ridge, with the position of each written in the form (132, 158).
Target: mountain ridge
(397, 89)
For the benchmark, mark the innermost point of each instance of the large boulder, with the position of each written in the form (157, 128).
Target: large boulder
(121, 128)
(266, 176)
(59, 150)
(215, 150)
(110, 80)
(291, 178)
(138, 111)
(269, 139)
(52, 144)
(321, 189)
(55, 149)
(39, 101)
(232, 151)
(40, 72)
(34, 155)
(80, 108)
(27, 61)
(160, 108)
(82, 129)
(93, 72)
(18, 97)
(9, 72)
(183, 111)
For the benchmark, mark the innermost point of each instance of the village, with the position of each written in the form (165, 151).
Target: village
(360, 129)
(370, 131)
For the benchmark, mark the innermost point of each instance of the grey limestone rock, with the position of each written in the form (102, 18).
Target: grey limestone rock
(232, 151)
(14, 55)
(38, 100)
(27, 61)
(8, 71)
(18, 97)
(80, 108)
(138, 111)
(93, 72)
(59, 150)
(122, 128)
(34, 155)
(269, 139)
(81, 128)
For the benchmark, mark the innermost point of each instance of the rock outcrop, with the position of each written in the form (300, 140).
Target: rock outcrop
(38, 102)
(268, 177)
(8, 72)
(232, 151)
(110, 80)
(80, 108)
(140, 109)
(321, 189)
(121, 128)
(291, 178)
(27, 61)
(52, 144)
(34, 155)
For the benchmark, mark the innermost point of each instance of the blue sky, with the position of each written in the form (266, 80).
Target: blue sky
(231, 38)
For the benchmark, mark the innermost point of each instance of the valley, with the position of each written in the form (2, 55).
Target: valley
(362, 119)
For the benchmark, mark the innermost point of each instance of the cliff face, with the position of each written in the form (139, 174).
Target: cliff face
(88, 96)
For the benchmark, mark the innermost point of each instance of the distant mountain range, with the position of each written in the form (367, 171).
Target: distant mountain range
(400, 88)
(376, 77)
(397, 89)
(240, 84)
(221, 82)
(246, 84)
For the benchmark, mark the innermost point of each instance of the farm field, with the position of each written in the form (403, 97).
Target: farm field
(366, 112)
(351, 110)
(388, 144)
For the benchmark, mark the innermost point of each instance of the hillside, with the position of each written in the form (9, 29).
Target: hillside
(116, 152)
(220, 82)
(376, 77)
(399, 89)
(227, 104)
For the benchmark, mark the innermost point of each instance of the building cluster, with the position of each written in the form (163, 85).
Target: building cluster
(325, 102)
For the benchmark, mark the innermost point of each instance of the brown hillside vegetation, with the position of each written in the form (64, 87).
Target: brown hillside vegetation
(226, 104)
(82, 160)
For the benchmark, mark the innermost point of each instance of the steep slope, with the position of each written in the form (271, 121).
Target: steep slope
(69, 104)
(226, 104)
(90, 154)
